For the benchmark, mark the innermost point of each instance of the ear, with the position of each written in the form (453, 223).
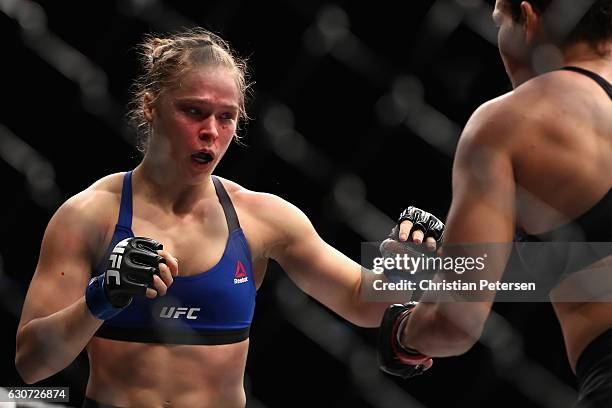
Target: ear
(148, 106)
(531, 21)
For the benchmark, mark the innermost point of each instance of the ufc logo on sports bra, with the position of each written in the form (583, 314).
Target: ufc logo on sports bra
(176, 312)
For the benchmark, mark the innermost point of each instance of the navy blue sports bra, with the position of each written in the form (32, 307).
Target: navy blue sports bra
(212, 307)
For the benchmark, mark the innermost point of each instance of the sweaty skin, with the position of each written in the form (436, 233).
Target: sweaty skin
(525, 161)
(174, 202)
(537, 158)
(139, 374)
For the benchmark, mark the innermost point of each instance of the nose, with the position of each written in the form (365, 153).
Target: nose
(208, 131)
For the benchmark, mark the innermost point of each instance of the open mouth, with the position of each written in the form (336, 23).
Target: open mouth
(202, 157)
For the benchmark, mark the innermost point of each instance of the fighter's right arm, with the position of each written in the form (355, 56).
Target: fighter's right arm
(56, 324)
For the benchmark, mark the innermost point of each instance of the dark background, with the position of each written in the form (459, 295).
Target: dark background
(356, 114)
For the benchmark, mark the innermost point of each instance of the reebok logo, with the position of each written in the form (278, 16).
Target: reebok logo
(240, 275)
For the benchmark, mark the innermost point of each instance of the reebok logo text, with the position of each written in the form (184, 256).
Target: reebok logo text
(240, 275)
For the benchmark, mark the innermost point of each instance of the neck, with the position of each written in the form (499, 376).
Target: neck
(595, 58)
(583, 51)
(166, 188)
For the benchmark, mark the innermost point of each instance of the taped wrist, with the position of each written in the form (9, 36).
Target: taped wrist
(97, 301)
(398, 347)
(395, 358)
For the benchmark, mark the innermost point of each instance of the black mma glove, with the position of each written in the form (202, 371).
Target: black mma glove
(131, 266)
(393, 357)
(391, 247)
(421, 220)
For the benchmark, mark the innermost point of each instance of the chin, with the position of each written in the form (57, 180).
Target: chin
(201, 172)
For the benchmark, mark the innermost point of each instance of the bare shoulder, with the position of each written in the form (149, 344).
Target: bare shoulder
(97, 200)
(90, 211)
(537, 108)
(262, 204)
(560, 100)
(69, 248)
(497, 123)
(269, 211)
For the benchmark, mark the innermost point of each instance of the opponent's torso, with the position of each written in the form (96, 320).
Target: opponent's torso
(563, 169)
(563, 176)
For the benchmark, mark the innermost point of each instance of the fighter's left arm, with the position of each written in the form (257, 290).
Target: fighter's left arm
(482, 213)
(316, 267)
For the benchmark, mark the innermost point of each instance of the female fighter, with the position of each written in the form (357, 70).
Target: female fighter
(166, 318)
(537, 158)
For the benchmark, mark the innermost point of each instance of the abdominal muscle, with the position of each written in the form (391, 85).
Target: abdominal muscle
(128, 374)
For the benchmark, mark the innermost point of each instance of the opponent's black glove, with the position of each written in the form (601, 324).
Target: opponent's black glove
(393, 357)
(421, 220)
(391, 247)
(131, 266)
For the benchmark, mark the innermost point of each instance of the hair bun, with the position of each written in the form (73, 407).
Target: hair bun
(159, 46)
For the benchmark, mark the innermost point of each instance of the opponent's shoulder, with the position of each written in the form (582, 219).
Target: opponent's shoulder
(553, 100)
(543, 108)
(510, 120)
(494, 123)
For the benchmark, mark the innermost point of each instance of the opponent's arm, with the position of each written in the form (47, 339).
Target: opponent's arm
(482, 211)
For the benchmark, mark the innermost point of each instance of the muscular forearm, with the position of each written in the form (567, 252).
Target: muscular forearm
(368, 314)
(370, 305)
(443, 329)
(49, 344)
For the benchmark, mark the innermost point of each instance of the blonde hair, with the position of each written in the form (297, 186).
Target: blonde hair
(164, 59)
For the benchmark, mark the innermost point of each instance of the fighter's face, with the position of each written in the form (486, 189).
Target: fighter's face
(196, 120)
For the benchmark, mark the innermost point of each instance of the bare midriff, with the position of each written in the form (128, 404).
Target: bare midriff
(127, 374)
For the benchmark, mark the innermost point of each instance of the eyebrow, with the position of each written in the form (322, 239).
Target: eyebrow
(229, 106)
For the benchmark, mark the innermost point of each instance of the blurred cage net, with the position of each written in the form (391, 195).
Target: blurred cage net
(357, 112)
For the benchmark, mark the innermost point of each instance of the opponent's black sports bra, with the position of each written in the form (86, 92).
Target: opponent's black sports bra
(593, 226)
(595, 77)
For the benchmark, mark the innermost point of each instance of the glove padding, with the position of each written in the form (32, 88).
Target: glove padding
(421, 220)
(393, 357)
(131, 267)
